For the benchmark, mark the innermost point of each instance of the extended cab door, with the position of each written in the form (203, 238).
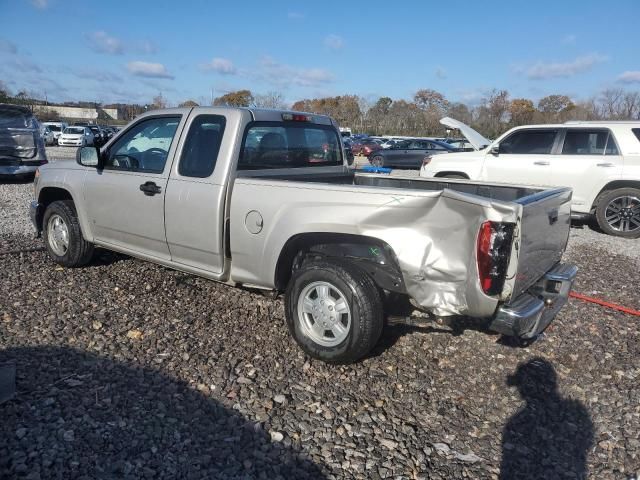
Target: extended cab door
(524, 157)
(589, 159)
(197, 188)
(125, 200)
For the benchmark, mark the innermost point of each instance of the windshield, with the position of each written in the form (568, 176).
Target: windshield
(290, 145)
(54, 128)
(74, 130)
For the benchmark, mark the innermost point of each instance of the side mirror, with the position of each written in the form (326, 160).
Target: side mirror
(495, 150)
(88, 157)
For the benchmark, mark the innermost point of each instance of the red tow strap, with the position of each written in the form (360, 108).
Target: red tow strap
(597, 301)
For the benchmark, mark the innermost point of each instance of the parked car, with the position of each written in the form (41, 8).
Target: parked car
(365, 147)
(599, 160)
(22, 148)
(47, 135)
(408, 153)
(56, 128)
(76, 137)
(273, 217)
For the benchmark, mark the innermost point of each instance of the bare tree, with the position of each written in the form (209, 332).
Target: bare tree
(270, 100)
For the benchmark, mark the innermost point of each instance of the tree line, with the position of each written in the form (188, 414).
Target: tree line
(496, 111)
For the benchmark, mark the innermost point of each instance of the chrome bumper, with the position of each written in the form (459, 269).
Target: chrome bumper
(530, 313)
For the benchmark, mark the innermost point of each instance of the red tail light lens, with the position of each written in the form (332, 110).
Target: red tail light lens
(296, 117)
(493, 252)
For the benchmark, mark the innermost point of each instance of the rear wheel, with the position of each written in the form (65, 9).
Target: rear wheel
(334, 311)
(618, 212)
(62, 235)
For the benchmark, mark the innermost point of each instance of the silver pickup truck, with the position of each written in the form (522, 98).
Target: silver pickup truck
(265, 199)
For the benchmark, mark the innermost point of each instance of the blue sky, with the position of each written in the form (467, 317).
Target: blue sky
(130, 51)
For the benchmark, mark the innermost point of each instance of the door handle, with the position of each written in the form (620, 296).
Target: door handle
(150, 188)
(606, 164)
(541, 163)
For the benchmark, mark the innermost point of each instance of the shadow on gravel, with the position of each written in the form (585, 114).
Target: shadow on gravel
(76, 415)
(550, 436)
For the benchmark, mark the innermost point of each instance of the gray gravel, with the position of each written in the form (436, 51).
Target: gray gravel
(130, 370)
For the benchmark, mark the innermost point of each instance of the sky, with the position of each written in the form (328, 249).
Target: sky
(130, 51)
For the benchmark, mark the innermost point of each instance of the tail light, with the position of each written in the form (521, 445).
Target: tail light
(426, 160)
(296, 117)
(493, 252)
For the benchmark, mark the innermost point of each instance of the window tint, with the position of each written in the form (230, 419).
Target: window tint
(589, 142)
(529, 142)
(285, 145)
(144, 148)
(201, 147)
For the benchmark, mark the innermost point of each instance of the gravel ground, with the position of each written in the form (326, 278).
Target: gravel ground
(130, 370)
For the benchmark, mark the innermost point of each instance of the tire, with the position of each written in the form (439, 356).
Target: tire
(377, 161)
(78, 252)
(618, 212)
(359, 294)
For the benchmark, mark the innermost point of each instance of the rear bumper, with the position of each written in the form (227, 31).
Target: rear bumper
(530, 313)
(18, 169)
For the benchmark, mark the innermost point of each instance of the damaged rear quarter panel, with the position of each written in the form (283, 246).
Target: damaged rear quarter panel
(433, 234)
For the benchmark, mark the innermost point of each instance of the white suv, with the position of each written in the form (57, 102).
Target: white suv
(599, 160)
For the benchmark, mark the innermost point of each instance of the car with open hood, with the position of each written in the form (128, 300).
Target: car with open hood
(22, 148)
(599, 160)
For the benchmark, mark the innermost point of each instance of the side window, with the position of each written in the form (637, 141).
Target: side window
(529, 142)
(144, 148)
(589, 142)
(200, 151)
(636, 132)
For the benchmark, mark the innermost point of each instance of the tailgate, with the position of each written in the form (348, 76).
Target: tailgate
(544, 232)
(17, 143)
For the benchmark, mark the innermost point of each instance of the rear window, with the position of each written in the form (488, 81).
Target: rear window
(289, 145)
(589, 142)
(15, 119)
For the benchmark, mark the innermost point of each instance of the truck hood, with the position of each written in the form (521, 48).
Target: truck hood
(475, 139)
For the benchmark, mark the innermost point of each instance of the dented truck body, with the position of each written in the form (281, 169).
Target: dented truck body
(455, 247)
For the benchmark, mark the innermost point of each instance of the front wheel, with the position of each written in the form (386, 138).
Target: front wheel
(62, 235)
(334, 311)
(618, 212)
(377, 161)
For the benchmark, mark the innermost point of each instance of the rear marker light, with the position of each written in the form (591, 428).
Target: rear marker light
(493, 252)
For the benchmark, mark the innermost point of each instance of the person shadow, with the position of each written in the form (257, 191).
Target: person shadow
(550, 436)
(78, 415)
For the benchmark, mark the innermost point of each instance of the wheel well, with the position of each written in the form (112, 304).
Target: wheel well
(47, 196)
(371, 254)
(444, 174)
(613, 186)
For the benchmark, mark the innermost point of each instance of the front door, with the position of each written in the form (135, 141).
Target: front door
(125, 200)
(524, 157)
